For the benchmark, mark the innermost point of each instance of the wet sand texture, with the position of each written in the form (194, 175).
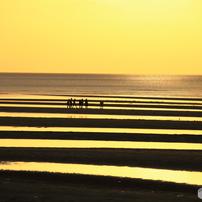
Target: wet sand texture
(32, 186)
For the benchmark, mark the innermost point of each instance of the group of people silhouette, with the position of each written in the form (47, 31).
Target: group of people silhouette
(74, 103)
(80, 103)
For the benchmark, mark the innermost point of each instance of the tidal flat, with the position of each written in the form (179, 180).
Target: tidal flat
(148, 158)
(39, 186)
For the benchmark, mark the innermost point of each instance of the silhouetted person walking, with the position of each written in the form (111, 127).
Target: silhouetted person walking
(68, 103)
(101, 104)
(74, 102)
(71, 102)
(81, 103)
(86, 103)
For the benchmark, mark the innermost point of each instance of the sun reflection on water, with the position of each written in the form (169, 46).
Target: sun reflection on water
(97, 116)
(39, 143)
(103, 130)
(118, 171)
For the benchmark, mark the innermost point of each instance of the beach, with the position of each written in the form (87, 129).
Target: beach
(99, 187)
(100, 100)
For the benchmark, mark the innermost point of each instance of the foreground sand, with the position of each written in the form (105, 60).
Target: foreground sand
(30, 186)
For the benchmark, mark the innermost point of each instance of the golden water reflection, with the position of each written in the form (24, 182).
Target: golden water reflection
(193, 178)
(97, 116)
(102, 130)
(45, 143)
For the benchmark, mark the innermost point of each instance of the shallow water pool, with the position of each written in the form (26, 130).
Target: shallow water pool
(177, 176)
(45, 143)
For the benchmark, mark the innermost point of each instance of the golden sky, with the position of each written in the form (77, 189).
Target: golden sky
(101, 36)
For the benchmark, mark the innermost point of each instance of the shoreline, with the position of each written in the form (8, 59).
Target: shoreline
(61, 101)
(105, 96)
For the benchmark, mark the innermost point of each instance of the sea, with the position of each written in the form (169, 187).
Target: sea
(100, 85)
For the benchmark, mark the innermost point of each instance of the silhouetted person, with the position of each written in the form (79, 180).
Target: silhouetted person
(86, 103)
(101, 104)
(81, 103)
(74, 102)
(71, 102)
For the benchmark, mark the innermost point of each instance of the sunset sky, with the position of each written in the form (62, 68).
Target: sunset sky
(101, 36)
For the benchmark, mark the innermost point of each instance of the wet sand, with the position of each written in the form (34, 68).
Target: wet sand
(49, 187)
(101, 136)
(148, 158)
(102, 111)
(102, 123)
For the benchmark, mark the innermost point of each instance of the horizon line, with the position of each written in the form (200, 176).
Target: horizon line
(101, 73)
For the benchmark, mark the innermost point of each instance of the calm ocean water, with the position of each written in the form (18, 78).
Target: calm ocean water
(100, 84)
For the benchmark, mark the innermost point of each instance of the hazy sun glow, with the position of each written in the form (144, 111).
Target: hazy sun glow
(101, 36)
